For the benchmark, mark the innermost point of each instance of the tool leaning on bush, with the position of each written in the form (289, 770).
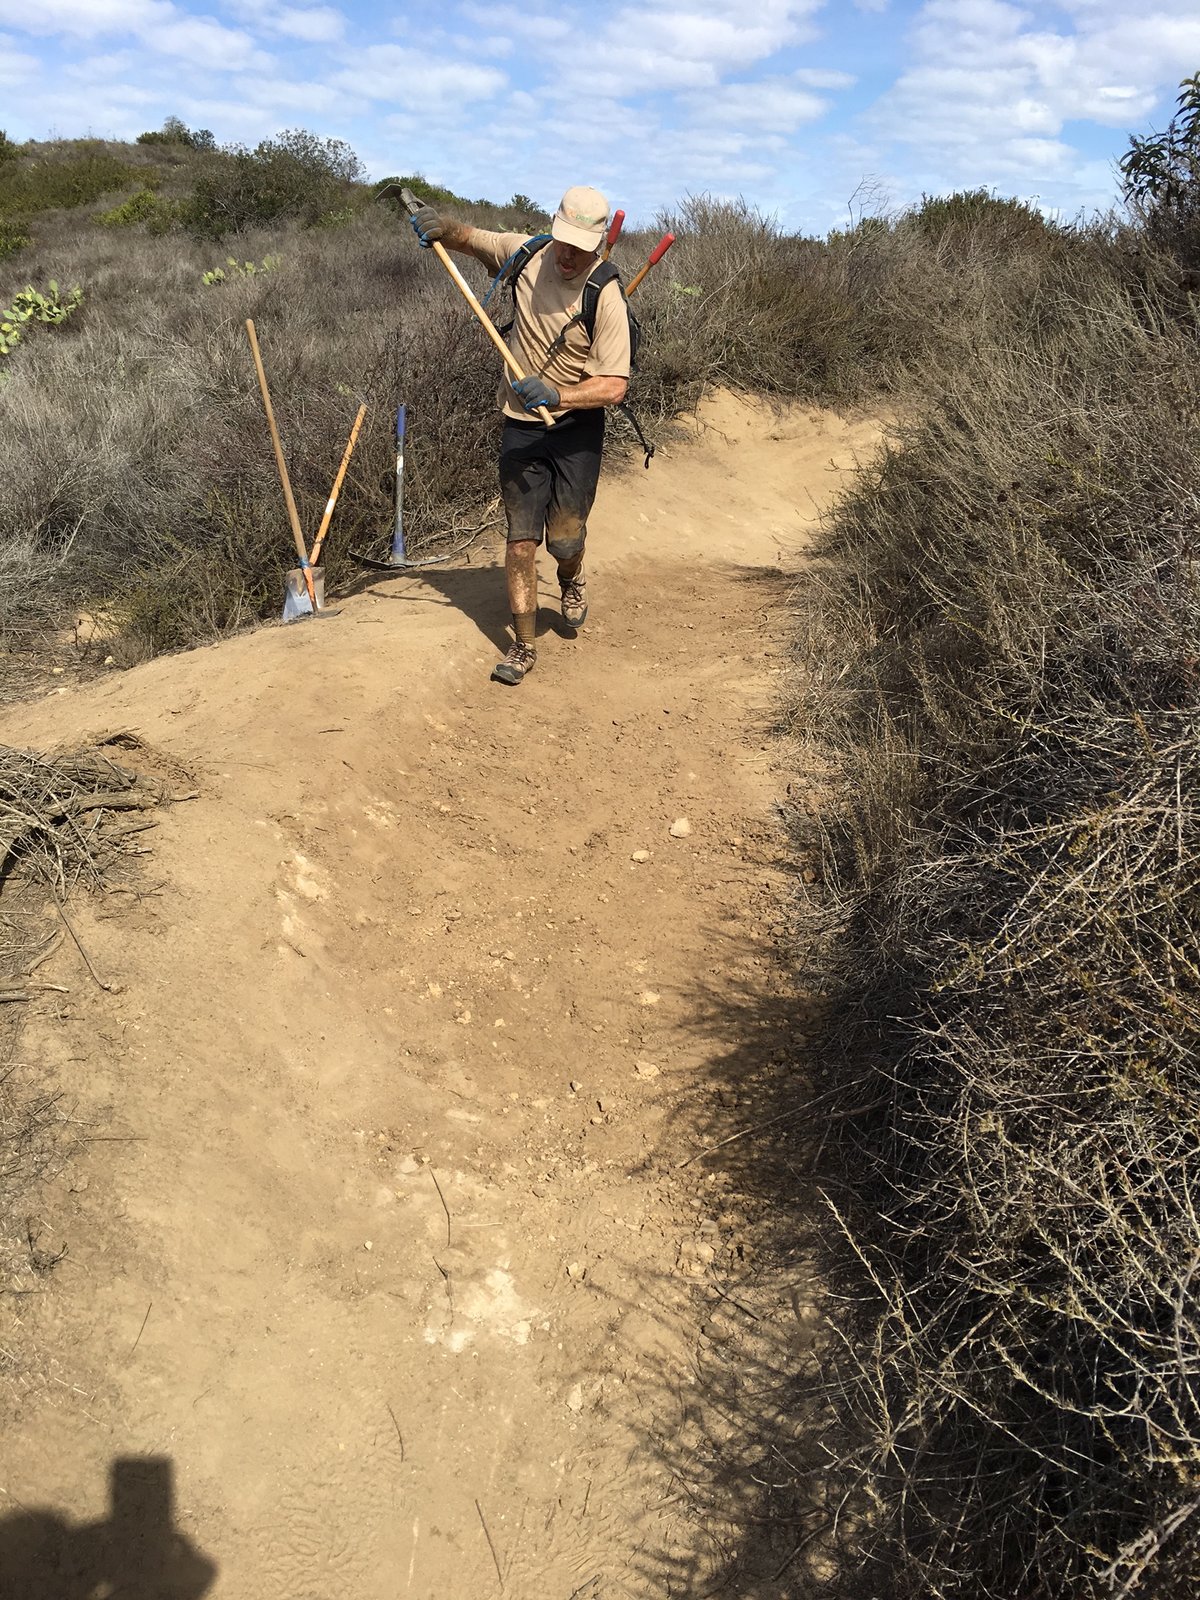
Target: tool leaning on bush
(304, 594)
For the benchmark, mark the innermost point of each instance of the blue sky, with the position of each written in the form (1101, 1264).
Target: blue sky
(795, 104)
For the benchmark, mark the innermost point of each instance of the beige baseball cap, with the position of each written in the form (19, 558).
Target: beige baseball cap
(581, 219)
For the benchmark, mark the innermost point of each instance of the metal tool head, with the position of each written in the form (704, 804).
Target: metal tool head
(398, 191)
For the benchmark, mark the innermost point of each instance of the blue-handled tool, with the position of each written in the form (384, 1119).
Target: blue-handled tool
(399, 555)
(397, 560)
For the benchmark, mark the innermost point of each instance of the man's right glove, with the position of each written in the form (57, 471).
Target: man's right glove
(427, 225)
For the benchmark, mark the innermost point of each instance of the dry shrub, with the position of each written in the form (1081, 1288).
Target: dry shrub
(141, 464)
(1004, 648)
(66, 822)
(862, 313)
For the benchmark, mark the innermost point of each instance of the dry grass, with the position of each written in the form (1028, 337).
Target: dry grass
(1004, 649)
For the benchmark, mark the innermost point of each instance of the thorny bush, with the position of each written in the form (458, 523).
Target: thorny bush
(1004, 654)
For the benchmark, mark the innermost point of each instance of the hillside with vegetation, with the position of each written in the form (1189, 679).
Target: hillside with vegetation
(995, 699)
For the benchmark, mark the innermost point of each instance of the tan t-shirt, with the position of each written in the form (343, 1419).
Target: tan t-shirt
(546, 302)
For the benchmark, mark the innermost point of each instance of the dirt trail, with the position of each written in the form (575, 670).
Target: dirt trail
(407, 1047)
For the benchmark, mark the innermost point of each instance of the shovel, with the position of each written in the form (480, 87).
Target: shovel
(295, 596)
(315, 553)
(301, 598)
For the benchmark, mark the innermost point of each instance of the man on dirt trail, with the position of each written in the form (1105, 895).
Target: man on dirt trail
(548, 476)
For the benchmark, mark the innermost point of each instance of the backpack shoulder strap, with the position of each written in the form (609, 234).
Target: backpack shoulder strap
(512, 269)
(604, 273)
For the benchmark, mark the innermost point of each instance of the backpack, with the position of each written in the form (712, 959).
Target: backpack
(603, 273)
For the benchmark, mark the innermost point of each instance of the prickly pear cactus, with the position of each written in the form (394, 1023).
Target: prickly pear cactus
(31, 306)
(241, 269)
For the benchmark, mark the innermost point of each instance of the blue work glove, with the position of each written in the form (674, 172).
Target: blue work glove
(427, 225)
(535, 392)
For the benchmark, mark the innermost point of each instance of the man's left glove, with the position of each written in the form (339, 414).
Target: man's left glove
(427, 225)
(535, 392)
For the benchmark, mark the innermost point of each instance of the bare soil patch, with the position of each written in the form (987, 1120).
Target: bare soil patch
(398, 1278)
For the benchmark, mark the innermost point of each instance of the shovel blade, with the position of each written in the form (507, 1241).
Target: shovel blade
(296, 603)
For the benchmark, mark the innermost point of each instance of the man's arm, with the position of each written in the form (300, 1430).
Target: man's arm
(458, 236)
(593, 393)
(431, 227)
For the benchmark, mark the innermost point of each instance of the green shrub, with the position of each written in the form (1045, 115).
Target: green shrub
(30, 186)
(432, 193)
(1007, 223)
(293, 177)
(240, 269)
(8, 150)
(143, 207)
(176, 132)
(12, 238)
(1162, 178)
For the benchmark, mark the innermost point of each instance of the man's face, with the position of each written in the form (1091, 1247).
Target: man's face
(570, 261)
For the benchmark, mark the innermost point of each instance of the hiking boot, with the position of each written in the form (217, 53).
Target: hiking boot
(520, 659)
(574, 600)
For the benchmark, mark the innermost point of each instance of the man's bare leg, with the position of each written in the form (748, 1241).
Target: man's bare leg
(520, 568)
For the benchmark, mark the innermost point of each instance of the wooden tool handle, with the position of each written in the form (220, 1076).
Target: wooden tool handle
(293, 514)
(488, 326)
(336, 490)
(656, 255)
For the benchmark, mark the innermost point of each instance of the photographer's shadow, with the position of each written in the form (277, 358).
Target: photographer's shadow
(136, 1553)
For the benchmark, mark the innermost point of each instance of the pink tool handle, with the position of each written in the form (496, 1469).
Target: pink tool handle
(660, 249)
(614, 231)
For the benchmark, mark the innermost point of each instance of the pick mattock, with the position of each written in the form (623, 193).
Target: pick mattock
(656, 255)
(390, 192)
(293, 515)
(614, 233)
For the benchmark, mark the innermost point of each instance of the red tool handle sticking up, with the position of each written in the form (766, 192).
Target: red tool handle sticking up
(656, 255)
(614, 233)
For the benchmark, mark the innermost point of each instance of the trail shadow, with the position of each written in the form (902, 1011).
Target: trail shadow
(477, 591)
(744, 1440)
(136, 1553)
(747, 1438)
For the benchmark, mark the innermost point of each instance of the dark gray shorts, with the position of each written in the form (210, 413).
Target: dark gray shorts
(548, 479)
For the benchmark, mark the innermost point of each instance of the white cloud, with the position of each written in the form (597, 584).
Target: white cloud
(16, 67)
(308, 24)
(312, 24)
(770, 105)
(205, 43)
(990, 92)
(824, 78)
(158, 24)
(417, 82)
(103, 69)
(652, 48)
(85, 18)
